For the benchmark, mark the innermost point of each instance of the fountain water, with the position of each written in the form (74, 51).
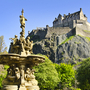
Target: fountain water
(21, 60)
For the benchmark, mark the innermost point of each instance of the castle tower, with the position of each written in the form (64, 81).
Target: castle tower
(60, 18)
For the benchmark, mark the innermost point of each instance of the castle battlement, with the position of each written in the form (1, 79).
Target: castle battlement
(70, 20)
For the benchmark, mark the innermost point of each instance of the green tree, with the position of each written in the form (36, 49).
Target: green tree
(3, 48)
(46, 75)
(66, 74)
(3, 74)
(83, 75)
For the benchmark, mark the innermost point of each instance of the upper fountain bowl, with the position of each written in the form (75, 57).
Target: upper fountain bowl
(12, 58)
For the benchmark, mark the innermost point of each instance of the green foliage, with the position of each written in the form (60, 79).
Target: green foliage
(88, 38)
(75, 89)
(1, 79)
(78, 42)
(2, 76)
(87, 31)
(45, 45)
(46, 75)
(83, 75)
(6, 67)
(67, 39)
(62, 53)
(78, 89)
(66, 74)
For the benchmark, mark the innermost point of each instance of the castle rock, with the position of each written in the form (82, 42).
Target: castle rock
(48, 40)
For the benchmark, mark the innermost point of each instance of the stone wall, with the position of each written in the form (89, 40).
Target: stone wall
(80, 31)
(65, 24)
(38, 32)
(57, 30)
(83, 25)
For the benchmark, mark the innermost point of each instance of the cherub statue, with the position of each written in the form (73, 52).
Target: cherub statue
(22, 41)
(15, 40)
(31, 47)
(13, 44)
(28, 74)
(30, 78)
(17, 73)
(28, 43)
(22, 38)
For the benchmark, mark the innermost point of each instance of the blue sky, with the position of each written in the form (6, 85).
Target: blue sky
(39, 13)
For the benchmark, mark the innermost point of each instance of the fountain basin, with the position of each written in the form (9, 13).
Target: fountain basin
(11, 58)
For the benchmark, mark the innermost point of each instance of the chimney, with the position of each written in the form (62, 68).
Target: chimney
(68, 13)
(80, 9)
(64, 15)
(47, 26)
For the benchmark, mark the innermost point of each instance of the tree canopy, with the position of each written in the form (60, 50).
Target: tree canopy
(46, 75)
(83, 75)
(66, 74)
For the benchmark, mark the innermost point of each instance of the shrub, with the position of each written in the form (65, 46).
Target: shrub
(46, 75)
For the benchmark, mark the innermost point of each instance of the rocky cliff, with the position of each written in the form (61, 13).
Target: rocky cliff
(65, 48)
(73, 50)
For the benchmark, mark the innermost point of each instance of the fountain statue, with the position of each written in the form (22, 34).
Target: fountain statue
(20, 59)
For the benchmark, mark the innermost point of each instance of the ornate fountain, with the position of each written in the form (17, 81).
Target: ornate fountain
(20, 60)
